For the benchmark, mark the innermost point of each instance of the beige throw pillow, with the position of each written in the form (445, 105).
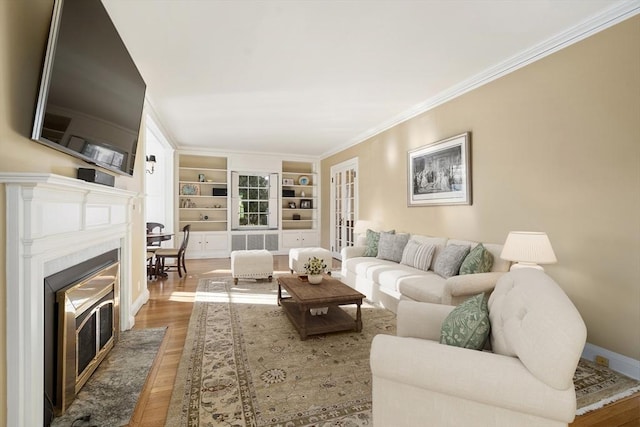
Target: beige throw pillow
(418, 255)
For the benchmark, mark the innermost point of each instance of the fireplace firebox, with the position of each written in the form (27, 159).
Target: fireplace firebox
(82, 312)
(87, 329)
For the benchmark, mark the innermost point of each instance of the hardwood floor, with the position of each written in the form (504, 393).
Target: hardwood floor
(170, 304)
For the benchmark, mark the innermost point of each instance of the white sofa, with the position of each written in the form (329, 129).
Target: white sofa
(387, 282)
(537, 337)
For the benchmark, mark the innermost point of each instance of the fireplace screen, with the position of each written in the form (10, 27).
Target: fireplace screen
(88, 329)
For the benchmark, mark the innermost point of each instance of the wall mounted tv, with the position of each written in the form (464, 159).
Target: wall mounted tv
(91, 93)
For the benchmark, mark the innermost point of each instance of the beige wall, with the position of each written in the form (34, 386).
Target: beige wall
(556, 148)
(24, 29)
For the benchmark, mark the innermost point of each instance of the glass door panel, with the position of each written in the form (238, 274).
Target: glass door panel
(344, 202)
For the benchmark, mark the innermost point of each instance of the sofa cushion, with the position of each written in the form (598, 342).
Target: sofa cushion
(380, 268)
(479, 260)
(361, 265)
(426, 288)
(418, 255)
(449, 261)
(389, 278)
(467, 325)
(392, 245)
(470, 243)
(438, 242)
(372, 239)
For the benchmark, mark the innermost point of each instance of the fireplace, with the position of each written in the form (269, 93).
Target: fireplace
(81, 325)
(54, 223)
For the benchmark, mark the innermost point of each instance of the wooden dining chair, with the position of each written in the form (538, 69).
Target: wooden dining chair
(177, 253)
(151, 265)
(153, 243)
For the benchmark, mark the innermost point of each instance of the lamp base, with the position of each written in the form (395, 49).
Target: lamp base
(519, 265)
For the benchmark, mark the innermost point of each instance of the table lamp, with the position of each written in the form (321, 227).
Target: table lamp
(362, 226)
(528, 249)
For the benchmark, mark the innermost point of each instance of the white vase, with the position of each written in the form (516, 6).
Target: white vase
(314, 279)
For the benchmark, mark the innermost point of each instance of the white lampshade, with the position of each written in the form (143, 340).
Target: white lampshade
(528, 249)
(362, 226)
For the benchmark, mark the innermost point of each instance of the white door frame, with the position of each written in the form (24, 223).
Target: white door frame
(351, 164)
(165, 170)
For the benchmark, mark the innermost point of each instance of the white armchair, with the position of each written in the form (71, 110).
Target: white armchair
(537, 337)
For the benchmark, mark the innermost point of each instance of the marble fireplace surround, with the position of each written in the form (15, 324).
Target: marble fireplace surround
(52, 223)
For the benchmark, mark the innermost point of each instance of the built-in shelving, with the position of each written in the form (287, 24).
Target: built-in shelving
(204, 200)
(202, 192)
(299, 196)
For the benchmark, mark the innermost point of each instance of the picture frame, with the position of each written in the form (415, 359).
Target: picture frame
(305, 204)
(292, 205)
(190, 189)
(287, 181)
(440, 173)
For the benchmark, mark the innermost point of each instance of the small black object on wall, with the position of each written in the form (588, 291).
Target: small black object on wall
(220, 192)
(94, 175)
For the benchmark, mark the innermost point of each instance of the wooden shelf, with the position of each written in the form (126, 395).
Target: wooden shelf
(201, 209)
(204, 183)
(293, 170)
(203, 169)
(201, 221)
(192, 169)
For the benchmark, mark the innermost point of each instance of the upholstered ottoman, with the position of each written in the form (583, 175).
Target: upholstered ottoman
(253, 264)
(298, 257)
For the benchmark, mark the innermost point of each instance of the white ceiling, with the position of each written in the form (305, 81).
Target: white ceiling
(312, 77)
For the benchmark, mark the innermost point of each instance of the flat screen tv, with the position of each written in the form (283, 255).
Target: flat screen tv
(91, 93)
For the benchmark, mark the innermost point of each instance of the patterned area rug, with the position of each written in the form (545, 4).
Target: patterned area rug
(597, 386)
(111, 394)
(244, 364)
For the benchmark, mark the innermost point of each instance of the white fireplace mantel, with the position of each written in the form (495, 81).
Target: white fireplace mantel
(52, 223)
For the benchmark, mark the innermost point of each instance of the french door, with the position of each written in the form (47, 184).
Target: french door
(344, 204)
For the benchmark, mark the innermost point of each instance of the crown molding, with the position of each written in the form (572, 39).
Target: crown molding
(202, 151)
(157, 124)
(619, 12)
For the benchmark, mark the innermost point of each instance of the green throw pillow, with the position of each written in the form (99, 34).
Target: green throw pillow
(373, 238)
(479, 260)
(467, 325)
(372, 243)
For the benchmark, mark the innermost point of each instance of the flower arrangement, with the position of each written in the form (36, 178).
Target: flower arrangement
(315, 266)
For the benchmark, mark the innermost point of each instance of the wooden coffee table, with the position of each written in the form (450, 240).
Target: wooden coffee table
(331, 293)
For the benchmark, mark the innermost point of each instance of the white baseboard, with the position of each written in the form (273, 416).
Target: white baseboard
(619, 363)
(137, 304)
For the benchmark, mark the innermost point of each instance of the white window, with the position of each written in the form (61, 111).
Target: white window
(254, 200)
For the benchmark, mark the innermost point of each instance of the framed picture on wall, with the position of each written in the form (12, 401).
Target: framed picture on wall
(440, 173)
